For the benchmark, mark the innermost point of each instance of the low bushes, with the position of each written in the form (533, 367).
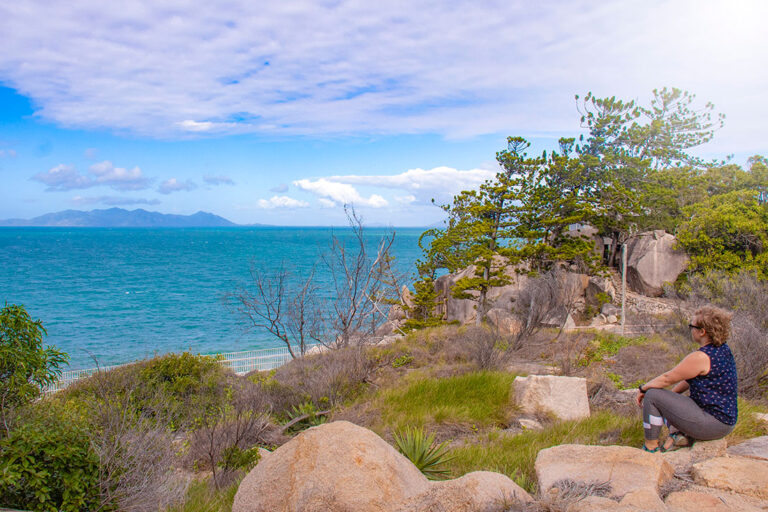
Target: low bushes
(174, 388)
(47, 463)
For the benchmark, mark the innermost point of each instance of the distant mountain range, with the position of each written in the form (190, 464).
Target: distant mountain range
(119, 218)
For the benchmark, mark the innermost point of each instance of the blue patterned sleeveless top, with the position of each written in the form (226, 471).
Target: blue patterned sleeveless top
(715, 392)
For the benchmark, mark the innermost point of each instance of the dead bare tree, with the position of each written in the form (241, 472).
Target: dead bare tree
(358, 284)
(290, 308)
(282, 304)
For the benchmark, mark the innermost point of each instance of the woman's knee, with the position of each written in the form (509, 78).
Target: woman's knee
(653, 394)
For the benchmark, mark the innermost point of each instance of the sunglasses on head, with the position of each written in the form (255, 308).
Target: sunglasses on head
(691, 326)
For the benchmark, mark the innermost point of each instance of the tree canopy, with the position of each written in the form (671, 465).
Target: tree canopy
(630, 171)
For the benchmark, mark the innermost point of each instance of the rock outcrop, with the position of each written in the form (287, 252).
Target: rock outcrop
(756, 448)
(684, 458)
(706, 501)
(563, 397)
(652, 260)
(626, 469)
(504, 321)
(341, 467)
(737, 474)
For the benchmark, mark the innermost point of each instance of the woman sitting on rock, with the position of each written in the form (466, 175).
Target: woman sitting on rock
(709, 373)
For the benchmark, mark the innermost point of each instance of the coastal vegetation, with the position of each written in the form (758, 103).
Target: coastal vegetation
(178, 432)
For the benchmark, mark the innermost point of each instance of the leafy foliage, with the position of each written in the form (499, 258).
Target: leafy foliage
(47, 464)
(174, 388)
(421, 450)
(727, 232)
(25, 366)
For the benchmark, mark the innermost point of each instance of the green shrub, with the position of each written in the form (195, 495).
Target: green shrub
(176, 389)
(25, 366)
(422, 451)
(605, 345)
(46, 463)
(402, 360)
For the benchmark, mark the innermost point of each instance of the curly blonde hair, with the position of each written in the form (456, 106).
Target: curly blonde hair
(716, 323)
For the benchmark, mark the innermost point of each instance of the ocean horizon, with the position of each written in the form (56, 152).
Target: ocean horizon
(114, 295)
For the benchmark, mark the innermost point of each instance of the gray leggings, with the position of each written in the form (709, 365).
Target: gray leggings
(661, 406)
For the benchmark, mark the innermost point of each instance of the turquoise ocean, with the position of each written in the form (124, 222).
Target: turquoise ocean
(114, 295)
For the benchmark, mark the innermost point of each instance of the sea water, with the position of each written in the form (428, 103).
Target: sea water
(114, 295)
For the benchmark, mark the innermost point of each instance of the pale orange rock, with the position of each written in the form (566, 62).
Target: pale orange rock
(481, 490)
(737, 474)
(563, 397)
(643, 499)
(596, 503)
(683, 458)
(626, 469)
(335, 467)
(695, 501)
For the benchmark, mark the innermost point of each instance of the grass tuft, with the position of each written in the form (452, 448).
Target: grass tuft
(478, 398)
(515, 455)
(202, 498)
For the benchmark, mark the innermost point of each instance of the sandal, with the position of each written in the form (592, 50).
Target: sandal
(645, 449)
(679, 440)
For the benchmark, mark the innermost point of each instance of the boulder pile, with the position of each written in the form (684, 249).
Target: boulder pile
(341, 467)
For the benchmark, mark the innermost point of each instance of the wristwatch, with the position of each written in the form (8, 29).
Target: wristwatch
(640, 387)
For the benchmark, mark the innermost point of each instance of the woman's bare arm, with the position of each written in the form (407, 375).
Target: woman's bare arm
(694, 364)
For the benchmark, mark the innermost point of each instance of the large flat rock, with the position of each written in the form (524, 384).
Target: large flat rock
(755, 448)
(563, 397)
(698, 501)
(684, 458)
(626, 469)
(737, 474)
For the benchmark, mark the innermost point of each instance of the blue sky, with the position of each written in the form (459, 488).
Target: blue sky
(281, 113)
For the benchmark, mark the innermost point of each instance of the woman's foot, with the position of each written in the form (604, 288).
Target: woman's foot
(675, 441)
(651, 446)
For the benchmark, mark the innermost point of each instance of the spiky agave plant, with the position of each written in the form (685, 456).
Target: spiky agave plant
(421, 450)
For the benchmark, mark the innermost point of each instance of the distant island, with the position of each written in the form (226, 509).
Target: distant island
(120, 218)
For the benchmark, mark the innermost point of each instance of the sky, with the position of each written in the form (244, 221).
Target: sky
(282, 112)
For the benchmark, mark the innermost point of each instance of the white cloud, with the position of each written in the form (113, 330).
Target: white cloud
(63, 177)
(326, 203)
(66, 177)
(405, 199)
(173, 185)
(119, 178)
(340, 193)
(424, 183)
(417, 66)
(218, 180)
(281, 202)
(7, 153)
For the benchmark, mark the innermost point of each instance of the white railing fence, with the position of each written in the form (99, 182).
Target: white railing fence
(239, 362)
